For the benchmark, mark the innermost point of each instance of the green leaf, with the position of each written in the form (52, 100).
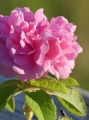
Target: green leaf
(41, 104)
(10, 105)
(73, 102)
(5, 94)
(70, 82)
(11, 83)
(65, 118)
(7, 90)
(49, 84)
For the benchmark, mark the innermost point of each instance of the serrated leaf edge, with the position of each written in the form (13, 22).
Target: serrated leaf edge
(83, 114)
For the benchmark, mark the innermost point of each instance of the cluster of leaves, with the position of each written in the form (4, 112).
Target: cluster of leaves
(37, 95)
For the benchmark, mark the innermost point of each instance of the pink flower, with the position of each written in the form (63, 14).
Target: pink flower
(31, 46)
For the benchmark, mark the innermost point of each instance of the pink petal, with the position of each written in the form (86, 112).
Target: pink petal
(21, 59)
(7, 61)
(7, 71)
(40, 54)
(39, 16)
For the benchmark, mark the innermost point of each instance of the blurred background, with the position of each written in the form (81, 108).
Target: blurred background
(77, 12)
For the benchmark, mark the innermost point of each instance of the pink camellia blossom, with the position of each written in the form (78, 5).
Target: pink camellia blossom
(31, 46)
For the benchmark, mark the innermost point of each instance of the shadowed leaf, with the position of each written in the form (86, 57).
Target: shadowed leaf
(7, 90)
(10, 105)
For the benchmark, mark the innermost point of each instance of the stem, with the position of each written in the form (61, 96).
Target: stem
(28, 112)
